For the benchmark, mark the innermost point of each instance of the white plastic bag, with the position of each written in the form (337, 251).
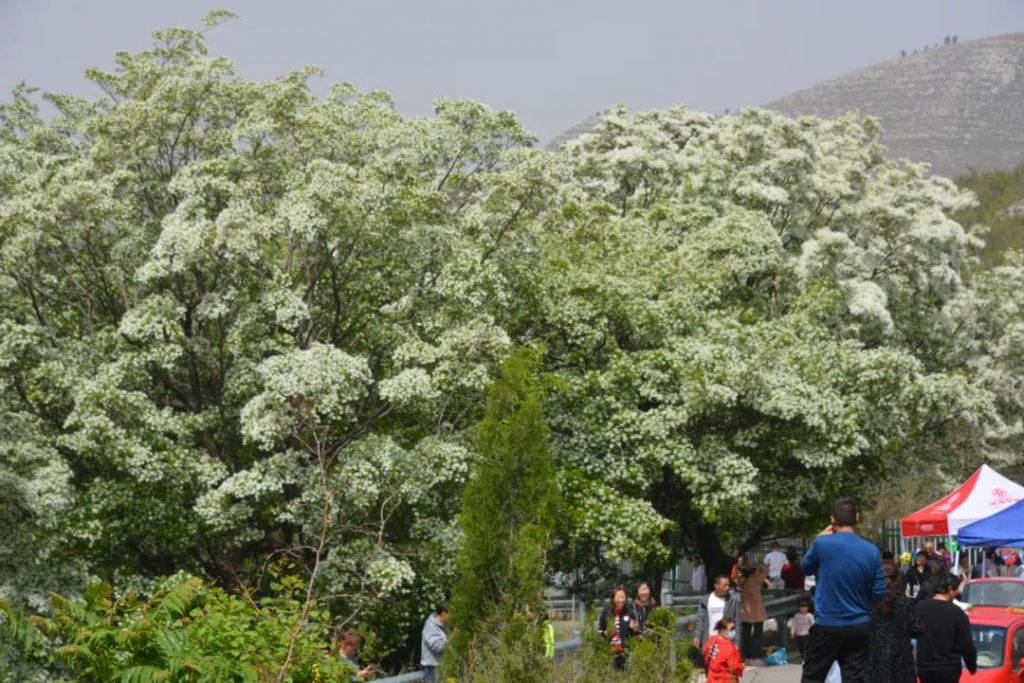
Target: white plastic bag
(833, 674)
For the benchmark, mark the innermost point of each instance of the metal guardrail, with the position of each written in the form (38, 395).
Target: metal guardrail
(404, 678)
(783, 607)
(678, 600)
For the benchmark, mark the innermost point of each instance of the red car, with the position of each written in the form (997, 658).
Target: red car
(998, 591)
(998, 634)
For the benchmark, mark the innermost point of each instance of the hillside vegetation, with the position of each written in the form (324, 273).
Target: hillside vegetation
(1000, 207)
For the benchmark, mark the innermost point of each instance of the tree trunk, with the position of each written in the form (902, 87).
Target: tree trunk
(672, 500)
(654, 574)
(717, 561)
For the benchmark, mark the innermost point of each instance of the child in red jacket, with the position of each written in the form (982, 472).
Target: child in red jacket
(721, 656)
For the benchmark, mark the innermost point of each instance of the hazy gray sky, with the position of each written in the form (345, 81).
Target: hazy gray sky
(553, 62)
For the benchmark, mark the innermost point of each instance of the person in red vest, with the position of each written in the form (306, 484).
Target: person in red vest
(734, 573)
(792, 575)
(721, 656)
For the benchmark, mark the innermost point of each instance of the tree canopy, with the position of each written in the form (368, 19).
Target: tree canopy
(202, 276)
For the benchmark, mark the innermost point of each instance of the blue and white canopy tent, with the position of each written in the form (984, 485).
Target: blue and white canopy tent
(1004, 529)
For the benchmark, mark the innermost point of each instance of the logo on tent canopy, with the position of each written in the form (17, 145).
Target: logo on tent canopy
(1001, 496)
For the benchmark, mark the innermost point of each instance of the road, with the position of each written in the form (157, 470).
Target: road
(772, 674)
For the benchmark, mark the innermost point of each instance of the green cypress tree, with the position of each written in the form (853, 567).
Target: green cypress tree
(508, 519)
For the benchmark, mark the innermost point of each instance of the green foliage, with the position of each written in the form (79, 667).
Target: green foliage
(503, 650)
(25, 654)
(650, 658)
(1000, 208)
(659, 656)
(187, 632)
(662, 619)
(508, 518)
(219, 16)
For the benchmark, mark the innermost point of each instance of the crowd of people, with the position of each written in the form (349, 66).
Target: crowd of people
(868, 613)
(742, 591)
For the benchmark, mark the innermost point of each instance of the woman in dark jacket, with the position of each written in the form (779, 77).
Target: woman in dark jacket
(617, 624)
(937, 572)
(891, 658)
(643, 605)
(917, 574)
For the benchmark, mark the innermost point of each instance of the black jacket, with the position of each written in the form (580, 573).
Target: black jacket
(913, 580)
(945, 638)
(606, 622)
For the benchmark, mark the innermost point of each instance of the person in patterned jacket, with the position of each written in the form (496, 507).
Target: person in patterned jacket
(721, 656)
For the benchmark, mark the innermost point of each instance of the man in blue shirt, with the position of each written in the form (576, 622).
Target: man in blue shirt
(849, 578)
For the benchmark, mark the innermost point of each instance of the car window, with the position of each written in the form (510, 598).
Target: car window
(1018, 648)
(991, 644)
(998, 593)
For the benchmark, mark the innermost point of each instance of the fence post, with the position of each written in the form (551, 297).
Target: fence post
(783, 625)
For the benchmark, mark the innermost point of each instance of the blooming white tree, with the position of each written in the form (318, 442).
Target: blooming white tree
(202, 275)
(749, 314)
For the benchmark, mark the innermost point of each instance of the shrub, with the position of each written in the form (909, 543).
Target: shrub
(187, 632)
(507, 652)
(656, 658)
(24, 655)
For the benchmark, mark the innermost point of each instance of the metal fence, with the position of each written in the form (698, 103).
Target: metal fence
(781, 608)
(678, 577)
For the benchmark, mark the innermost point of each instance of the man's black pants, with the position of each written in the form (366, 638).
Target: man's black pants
(940, 677)
(847, 645)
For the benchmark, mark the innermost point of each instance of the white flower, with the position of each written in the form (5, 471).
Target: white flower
(867, 300)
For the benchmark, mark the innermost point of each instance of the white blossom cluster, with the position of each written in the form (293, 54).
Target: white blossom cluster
(307, 386)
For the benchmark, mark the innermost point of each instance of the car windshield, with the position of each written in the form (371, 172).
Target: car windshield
(998, 593)
(991, 644)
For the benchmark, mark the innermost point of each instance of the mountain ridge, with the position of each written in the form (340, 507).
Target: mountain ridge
(957, 106)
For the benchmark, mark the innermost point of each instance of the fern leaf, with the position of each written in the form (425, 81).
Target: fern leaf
(177, 602)
(144, 674)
